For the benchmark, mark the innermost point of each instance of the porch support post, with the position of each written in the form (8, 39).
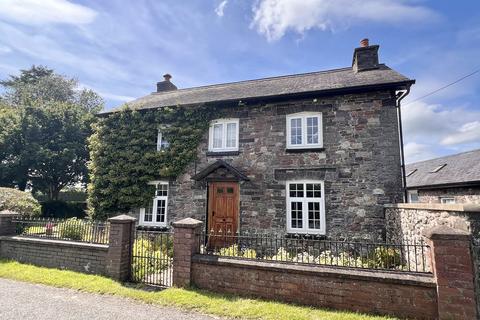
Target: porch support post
(452, 266)
(120, 246)
(186, 243)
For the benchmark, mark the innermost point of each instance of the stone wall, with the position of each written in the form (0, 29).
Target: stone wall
(408, 222)
(461, 195)
(82, 257)
(356, 290)
(360, 164)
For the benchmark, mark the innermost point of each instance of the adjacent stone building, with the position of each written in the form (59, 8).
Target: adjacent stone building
(448, 180)
(315, 153)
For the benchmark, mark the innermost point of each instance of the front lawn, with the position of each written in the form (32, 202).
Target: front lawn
(191, 299)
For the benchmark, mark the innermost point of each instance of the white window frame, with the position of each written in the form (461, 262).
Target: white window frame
(410, 193)
(305, 229)
(160, 140)
(303, 116)
(447, 200)
(155, 199)
(224, 123)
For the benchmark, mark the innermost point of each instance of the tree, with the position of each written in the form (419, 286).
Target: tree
(45, 122)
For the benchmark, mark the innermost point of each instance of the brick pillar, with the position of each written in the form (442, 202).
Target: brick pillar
(7, 226)
(186, 243)
(452, 266)
(120, 245)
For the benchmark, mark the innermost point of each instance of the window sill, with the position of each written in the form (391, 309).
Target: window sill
(303, 150)
(222, 153)
(294, 234)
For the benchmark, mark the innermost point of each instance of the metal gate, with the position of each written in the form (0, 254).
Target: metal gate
(152, 258)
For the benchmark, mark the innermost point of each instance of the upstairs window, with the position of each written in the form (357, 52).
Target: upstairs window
(155, 213)
(304, 130)
(162, 143)
(223, 135)
(305, 207)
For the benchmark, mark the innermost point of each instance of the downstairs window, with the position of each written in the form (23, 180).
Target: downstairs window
(305, 207)
(155, 213)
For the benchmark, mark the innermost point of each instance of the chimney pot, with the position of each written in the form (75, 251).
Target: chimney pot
(167, 76)
(365, 57)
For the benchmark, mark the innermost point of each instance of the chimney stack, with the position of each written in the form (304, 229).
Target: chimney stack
(365, 57)
(166, 85)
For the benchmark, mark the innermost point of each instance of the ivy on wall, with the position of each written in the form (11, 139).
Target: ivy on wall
(124, 157)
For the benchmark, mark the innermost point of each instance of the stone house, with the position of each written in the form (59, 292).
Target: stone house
(315, 153)
(448, 180)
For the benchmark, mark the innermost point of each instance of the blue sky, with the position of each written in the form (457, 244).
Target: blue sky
(122, 48)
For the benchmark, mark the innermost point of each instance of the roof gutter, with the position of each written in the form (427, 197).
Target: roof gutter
(400, 96)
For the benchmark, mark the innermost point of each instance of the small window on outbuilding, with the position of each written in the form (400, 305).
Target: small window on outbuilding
(413, 196)
(447, 200)
(411, 172)
(440, 167)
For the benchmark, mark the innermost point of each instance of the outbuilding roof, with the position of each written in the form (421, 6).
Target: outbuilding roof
(314, 82)
(458, 169)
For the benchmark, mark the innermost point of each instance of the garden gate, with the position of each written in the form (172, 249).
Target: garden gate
(152, 258)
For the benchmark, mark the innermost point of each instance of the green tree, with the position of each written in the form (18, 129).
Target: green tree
(45, 120)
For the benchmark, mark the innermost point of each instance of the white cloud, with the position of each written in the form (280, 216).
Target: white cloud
(431, 127)
(5, 49)
(415, 152)
(220, 9)
(469, 132)
(40, 12)
(273, 18)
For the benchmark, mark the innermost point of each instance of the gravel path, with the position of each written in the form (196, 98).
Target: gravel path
(19, 300)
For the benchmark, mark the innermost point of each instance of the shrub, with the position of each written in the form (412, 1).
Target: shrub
(150, 257)
(73, 229)
(235, 251)
(19, 201)
(388, 258)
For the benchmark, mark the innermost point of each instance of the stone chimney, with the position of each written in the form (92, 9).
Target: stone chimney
(166, 85)
(365, 57)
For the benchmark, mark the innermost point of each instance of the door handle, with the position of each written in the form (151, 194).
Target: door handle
(213, 213)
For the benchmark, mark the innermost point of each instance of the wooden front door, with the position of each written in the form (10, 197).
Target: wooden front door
(223, 206)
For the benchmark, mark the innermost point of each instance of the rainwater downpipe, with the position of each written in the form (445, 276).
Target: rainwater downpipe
(400, 95)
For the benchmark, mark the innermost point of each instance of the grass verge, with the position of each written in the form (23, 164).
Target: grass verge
(190, 299)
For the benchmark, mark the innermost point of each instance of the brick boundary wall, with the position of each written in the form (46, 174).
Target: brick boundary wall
(357, 290)
(112, 260)
(448, 293)
(76, 256)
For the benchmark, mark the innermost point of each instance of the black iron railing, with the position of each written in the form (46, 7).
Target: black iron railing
(63, 229)
(306, 249)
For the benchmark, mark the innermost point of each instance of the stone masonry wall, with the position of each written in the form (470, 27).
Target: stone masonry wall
(82, 257)
(404, 296)
(461, 195)
(408, 222)
(360, 165)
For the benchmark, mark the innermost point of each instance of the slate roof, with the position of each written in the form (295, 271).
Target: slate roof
(314, 82)
(462, 168)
